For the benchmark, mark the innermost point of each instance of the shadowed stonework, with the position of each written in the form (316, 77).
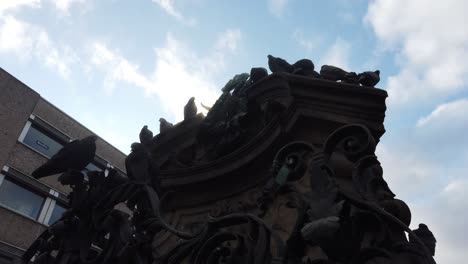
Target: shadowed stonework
(281, 170)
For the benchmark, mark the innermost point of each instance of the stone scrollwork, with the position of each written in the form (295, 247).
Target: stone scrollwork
(326, 202)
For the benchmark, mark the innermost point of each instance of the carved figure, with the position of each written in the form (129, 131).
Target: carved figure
(73, 156)
(325, 202)
(190, 109)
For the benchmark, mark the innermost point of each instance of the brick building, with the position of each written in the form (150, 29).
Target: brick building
(31, 131)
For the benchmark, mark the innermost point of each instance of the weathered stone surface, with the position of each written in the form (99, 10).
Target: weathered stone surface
(281, 170)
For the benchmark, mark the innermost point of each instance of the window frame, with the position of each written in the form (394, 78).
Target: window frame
(51, 196)
(4, 176)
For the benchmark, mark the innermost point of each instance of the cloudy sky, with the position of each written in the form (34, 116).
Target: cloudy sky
(117, 65)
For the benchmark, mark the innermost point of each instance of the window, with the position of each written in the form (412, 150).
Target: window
(56, 213)
(19, 198)
(92, 167)
(37, 139)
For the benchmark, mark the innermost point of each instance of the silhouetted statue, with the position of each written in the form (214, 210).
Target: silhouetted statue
(73, 156)
(146, 135)
(164, 125)
(279, 65)
(426, 237)
(369, 78)
(190, 109)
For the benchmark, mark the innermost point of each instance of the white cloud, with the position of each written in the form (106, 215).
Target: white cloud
(229, 40)
(169, 8)
(445, 214)
(448, 113)
(12, 5)
(179, 73)
(431, 44)
(435, 193)
(307, 44)
(404, 169)
(277, 7)
(338, 54)
(28, 41)
(64, 5)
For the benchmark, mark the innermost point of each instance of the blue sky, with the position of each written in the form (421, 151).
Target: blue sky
(117, 65)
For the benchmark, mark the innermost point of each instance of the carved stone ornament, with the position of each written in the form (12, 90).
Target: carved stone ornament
(281, 170)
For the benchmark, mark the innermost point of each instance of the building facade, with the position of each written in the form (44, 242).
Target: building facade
(31, 131)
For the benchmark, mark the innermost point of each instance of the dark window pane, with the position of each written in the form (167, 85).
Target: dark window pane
(56, 213)
(41, 142)
(20, 199)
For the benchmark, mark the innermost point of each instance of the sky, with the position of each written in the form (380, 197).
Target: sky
(117, 65)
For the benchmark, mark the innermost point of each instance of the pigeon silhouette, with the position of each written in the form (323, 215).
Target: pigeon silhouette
(279, 65)
(190, 109)
(426, 237)
(257, 74)
(305, 67)
(145, 135)
(164, 125)
(369, 78)
(332, 73)
(139, 164)
(73, 156)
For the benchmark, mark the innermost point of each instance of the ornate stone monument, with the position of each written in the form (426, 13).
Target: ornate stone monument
(281, 170)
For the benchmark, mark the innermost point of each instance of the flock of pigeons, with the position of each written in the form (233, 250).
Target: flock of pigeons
(306, 67)
(79, 153)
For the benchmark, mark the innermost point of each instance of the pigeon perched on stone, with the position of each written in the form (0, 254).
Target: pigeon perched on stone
(369, 78)
(139, 165)
(332, 73)
(303, 64)
(164, 125)
(146, 135)
(257, 73)
(73, 156)
(351, 78)
(305, 67)
(279, 65)
(190, 109)
(426, 237)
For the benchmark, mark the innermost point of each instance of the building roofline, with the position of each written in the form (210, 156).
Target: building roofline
(61, 111)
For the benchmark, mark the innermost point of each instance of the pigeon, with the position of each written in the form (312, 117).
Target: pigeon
(279, 65)
(190, 109)
(426, 237)
(145, 135)
(369, 78)
(73, 156)
(332, 73)
(301, 65)
(305, 67)
(164, 125)
(139, 165)
(257, 73)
